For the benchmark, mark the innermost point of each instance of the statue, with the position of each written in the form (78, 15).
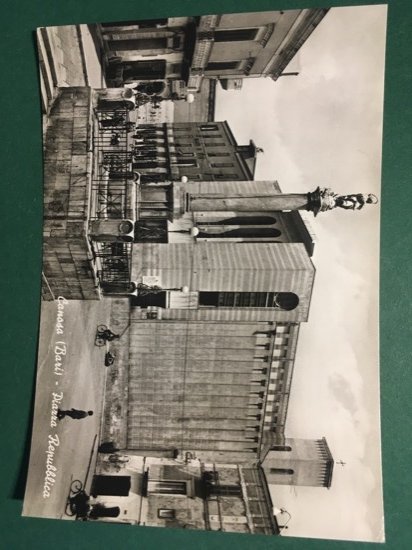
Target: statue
(354, 202)
(325, 199)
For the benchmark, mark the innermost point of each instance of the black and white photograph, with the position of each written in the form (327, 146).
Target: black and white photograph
(209, 336)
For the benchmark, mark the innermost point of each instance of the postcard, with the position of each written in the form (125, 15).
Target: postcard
(209, 353)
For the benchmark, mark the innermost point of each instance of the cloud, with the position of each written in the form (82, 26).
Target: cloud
(324, 127)
(342, 392)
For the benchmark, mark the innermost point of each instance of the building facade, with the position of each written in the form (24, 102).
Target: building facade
(188, 494)
(196, 151)
(95, 153)
(173, 56)
(213, 329)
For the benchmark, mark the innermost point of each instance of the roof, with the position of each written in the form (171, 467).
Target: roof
(330, 461)
(248, 154)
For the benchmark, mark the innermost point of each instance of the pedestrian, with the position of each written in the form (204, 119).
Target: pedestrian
(76, 414)
(115, 139)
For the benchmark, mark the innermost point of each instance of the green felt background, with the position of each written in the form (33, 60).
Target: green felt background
(21, 206)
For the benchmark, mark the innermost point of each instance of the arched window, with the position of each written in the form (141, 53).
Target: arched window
(281, 448)
(285, 301)
(244, 220)
(251, 232)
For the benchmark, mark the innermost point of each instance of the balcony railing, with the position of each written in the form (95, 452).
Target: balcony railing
(113, 166)
(114, 261)
(113, 200)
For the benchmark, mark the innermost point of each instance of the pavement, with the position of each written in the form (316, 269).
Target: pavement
(68, 56)
(82, 387)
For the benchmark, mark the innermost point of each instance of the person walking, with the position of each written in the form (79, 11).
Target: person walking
(76, 414)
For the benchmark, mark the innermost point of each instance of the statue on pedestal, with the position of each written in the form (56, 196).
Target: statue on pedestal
(325, 199)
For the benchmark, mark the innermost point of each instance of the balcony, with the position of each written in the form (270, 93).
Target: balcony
(113, 200)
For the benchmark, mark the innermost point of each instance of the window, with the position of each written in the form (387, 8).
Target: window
(166, 513)
(226, 177)
(218, 154)
(235, 35)
(222, 164)
(138, 44)
(150, 299)
(279, 300)
(155, 198)
(222, 65)
(281, 448)
(184, 162)
(251, 232)
(167, 487)
(282, 471)
(175, 68)
(243, 220)
(225, 490)
(209, 127)
(141, 70)
(154, 231)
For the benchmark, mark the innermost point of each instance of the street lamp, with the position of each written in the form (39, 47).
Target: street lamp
(193, 231)
(278, 512)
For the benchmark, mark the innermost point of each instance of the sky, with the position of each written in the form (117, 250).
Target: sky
(324, 127)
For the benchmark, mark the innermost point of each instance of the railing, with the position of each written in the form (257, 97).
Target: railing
(114, 260)
(113, 165)
(113, 200)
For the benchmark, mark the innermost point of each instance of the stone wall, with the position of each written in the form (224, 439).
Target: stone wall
(116, 394)
(67, 176)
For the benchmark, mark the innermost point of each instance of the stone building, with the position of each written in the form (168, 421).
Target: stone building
(197, 151)
(184, 493)
(172, 56)
(208, 283)
(299, 462)
(212, 328)
(67, 162)
(188, 493)
(92, 152)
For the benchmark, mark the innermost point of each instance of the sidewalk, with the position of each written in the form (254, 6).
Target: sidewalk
(68, 56)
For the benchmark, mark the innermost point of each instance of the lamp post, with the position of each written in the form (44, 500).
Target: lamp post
(278, 512)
